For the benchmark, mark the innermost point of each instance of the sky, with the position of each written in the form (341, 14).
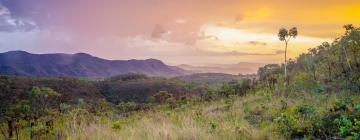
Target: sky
(196, 32)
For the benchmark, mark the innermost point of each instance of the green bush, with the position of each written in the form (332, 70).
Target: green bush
(171, 102)
(304, 121)
(304, 82)
(117, 125)
(127, 106)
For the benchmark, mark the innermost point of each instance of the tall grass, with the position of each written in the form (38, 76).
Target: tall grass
(248, 117)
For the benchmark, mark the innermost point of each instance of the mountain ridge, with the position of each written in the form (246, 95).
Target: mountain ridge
(23, 63)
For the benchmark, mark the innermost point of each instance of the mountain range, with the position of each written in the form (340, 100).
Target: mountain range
(79, 65)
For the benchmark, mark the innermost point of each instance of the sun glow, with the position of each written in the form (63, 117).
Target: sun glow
(241, 40)
(231, 35)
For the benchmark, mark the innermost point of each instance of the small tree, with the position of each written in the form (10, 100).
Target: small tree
(40, 99)
(346, 40)
(162, 96)
(285, 35)
(40, 106)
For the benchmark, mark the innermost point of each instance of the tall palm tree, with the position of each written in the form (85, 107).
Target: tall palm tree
(285, 35)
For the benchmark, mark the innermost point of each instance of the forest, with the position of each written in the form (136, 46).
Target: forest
(317, 98)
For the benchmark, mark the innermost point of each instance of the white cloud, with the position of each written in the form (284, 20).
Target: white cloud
(9, 24)
(4, 10)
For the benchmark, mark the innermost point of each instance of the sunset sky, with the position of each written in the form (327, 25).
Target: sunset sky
(197, 32)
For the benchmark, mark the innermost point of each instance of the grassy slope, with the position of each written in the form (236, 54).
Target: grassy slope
(248, 117)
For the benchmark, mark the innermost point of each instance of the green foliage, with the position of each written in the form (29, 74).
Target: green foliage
(162, 96)
(299, 122)
(128, 77)
(330, 67)
(199, 119)
(227, 90)
(81, 103)
(65, 107)
(172, 103)
(140, 88)
(345, 126)
(211, 94)
(308, 121)
(304, 82)
(213, 125)
(38, 129)
(127, 106)
(117, 125)
(265, 73)
(357, 108)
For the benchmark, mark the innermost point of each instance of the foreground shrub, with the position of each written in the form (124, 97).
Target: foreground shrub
(306, 121)
(117, 125)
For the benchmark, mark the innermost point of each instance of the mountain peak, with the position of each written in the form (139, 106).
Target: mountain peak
(153, 60)
(83, 54)
(16, 52)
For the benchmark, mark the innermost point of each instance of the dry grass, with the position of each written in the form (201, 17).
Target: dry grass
(250, 117)
(209, 121)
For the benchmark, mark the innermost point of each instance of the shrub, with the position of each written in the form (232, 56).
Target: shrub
(213, 125)
(162, 96)
(127, 106)
(171, 102)
(209, 95)
(303, 121)
(117, 125)
(306, 83)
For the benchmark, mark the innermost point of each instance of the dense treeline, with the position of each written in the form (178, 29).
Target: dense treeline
(138, 88)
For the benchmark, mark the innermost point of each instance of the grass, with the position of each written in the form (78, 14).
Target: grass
(248, 117)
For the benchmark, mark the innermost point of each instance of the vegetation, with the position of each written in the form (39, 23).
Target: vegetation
(320, 101)
(214, 79)
(285, 35)
(138, 88)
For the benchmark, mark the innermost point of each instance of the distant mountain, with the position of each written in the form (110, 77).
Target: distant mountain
(214, 78)
(79, 65)
(239, 68)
